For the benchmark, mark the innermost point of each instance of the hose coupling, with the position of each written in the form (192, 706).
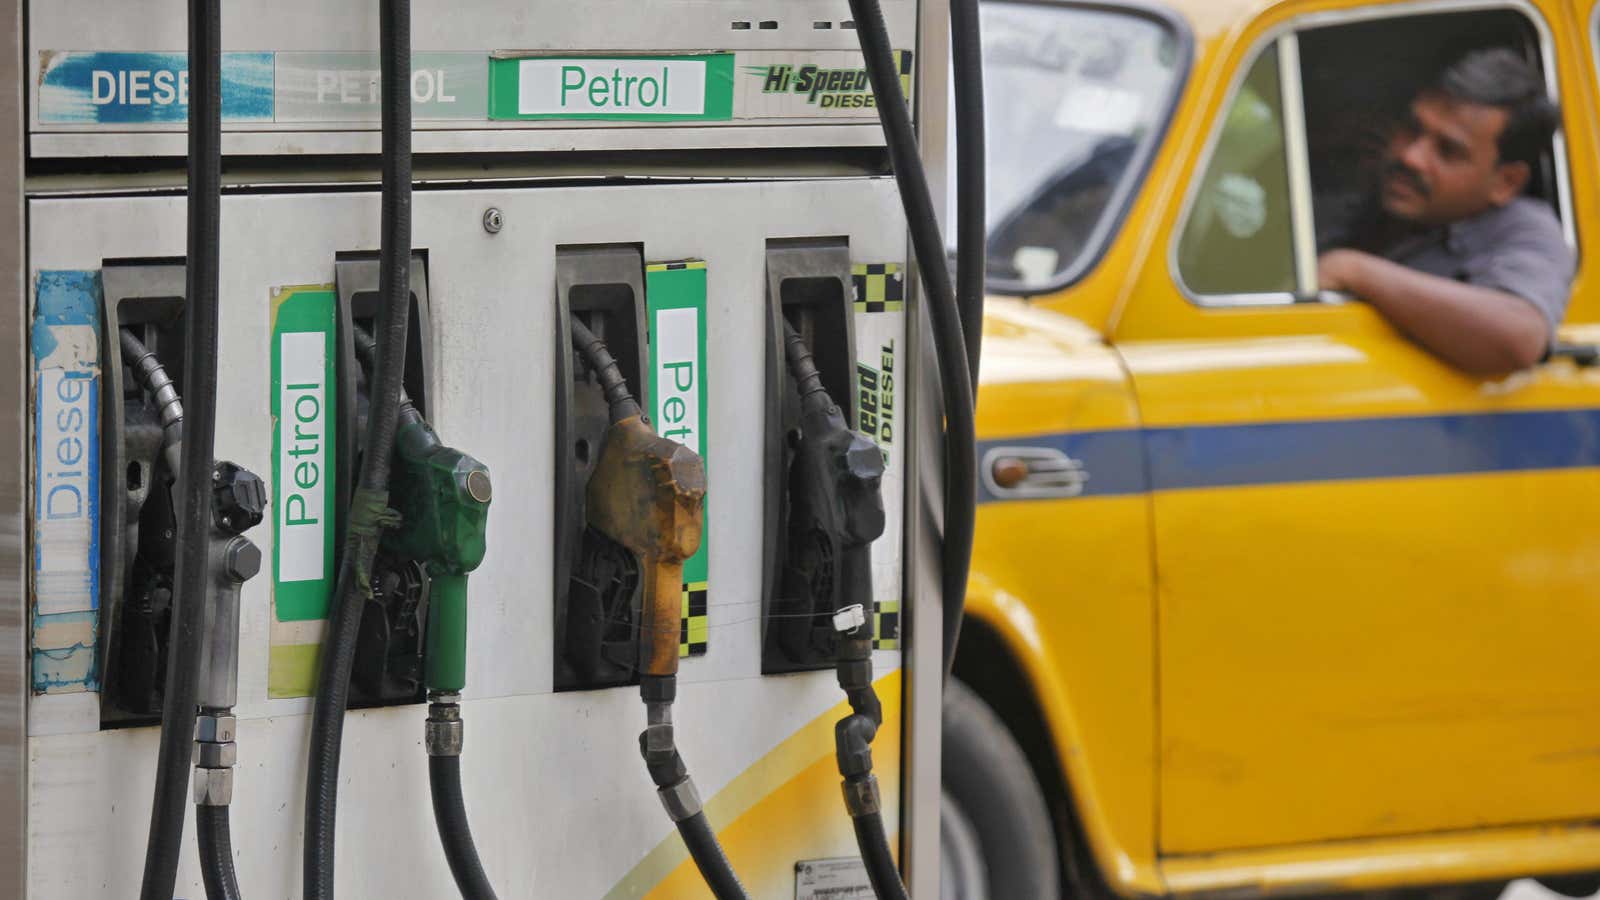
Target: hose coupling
(444, 732)
(213, 787)
(216, 753)
(215, 729)
(861, 796)
(681, 800)
(854, 675)
(216, 756)
(852, 738)
(657, 739)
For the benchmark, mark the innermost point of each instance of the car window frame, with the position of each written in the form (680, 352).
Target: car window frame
(1133, 179)
(1301, 214)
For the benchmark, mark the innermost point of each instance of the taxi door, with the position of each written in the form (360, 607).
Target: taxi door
(1378, 578)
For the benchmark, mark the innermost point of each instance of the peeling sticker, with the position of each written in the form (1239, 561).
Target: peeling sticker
(66, 480)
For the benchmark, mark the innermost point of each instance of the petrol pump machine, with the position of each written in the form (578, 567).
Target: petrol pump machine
(442, 426)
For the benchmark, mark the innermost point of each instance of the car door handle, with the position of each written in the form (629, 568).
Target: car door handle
(1032, 473)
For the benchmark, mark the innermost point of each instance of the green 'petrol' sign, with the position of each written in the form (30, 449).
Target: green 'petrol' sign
(626, 88)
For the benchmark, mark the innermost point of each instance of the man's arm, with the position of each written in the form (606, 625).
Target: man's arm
(1480, 330)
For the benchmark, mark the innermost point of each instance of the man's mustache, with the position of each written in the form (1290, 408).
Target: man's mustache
(1394, 168)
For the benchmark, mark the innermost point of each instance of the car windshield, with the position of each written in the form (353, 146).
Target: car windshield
(1073, 97)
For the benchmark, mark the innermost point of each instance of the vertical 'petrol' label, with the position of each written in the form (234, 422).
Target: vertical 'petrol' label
(676, 299)
(303, 403)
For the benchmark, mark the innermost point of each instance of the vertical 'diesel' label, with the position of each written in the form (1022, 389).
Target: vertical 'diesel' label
(65, 509)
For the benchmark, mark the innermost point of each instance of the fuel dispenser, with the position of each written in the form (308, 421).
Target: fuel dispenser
(646, 263)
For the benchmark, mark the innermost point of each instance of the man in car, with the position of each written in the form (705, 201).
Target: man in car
(1458, 259)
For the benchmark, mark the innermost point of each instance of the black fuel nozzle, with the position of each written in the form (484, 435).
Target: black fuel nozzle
(836, 512)
(836, 503)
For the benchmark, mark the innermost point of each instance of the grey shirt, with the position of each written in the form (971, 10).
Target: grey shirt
(1517, 248)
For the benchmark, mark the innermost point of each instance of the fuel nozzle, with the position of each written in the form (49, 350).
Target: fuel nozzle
(648, 494)
(836, 507)
(238, 502)
(443, 497)
(836, 503)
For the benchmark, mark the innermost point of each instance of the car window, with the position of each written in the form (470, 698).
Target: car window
(1293, 163)
(1075, 100)
(1238, 236)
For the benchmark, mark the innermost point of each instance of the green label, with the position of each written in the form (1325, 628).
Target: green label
(629, 88)
(676, 302)
(304, 501)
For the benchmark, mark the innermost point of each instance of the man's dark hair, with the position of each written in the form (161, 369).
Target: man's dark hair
(1499, 77)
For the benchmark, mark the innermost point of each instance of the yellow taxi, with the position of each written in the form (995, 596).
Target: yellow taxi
(1266, 598)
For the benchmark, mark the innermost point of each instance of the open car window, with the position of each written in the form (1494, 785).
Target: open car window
(1292, 164)
(1076, 99)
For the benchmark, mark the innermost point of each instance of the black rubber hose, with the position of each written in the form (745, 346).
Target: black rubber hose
(450, 814)
(216, 853)
(966, 55)
(874, 843)
(368, 507)
(202, 265)
(594, 352)
(709, 858)
(961, 465)
(803, 368)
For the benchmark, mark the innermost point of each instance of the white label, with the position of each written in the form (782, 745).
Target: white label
(677, 395)
(303, 455)
(611, 86)
(64, 524)
(832, 879)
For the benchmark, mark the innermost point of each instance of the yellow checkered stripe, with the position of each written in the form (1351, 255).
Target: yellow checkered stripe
(878, 287)
(886, 625)
(902, 61)
(696, 625)
(675, 266)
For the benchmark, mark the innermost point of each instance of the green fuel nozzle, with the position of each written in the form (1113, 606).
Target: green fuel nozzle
(443, 497)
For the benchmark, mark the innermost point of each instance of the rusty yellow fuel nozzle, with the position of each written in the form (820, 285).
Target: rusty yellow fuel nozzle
(648, 494)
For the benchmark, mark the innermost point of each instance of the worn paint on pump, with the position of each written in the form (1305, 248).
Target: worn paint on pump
(66, 481)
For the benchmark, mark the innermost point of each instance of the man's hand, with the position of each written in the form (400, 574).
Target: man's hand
(1480, 330)
(1341, 270)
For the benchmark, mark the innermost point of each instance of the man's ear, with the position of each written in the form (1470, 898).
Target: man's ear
(1508, 181)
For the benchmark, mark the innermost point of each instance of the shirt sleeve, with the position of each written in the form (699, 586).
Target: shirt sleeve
(1527, 256)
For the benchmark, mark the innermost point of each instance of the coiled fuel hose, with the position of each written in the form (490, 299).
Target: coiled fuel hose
(638, 470)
